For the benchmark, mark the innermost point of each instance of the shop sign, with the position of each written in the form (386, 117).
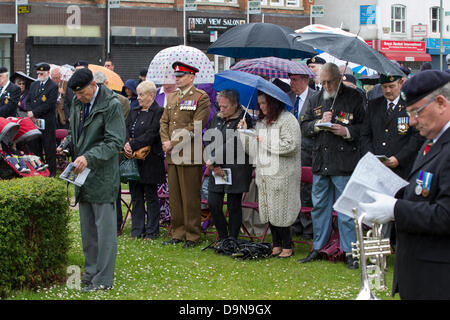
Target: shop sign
(411, 46)
(420, 30)
(203, 25)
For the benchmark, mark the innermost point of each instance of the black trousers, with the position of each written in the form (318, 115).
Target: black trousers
(281, 236)
(144, 222)
(215, 203)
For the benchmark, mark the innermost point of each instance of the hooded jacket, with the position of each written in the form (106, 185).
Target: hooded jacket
(131, 84)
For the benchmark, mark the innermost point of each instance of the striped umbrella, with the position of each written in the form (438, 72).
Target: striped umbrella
(272, 67)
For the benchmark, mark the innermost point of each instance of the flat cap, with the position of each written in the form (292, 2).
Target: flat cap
(316, 60)
(349, 78)
(80, 79)
(42, 66)
(387, 79)
(3, 69)
(422, 84)
(81, 63)
(181, 68)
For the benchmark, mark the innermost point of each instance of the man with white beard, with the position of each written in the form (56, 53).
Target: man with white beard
(335, 154)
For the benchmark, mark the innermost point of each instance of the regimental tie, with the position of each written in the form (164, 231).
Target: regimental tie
(390, 109)
(297, 101)
(427, 147)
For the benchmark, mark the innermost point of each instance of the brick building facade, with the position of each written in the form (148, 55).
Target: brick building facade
(63, 32)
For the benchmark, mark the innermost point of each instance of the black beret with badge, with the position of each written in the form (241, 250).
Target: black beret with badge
(180, 69)
(387, 79)
(42, 66)
(422, 84)
(80, 79)
(316, 60)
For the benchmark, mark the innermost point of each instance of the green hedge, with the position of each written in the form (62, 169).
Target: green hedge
(34, 233)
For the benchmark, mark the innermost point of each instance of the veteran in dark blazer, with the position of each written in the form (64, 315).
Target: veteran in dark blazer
(421, 210)
(41, 104)
(9, 95)
(182, 122)
(386, 129)
(301, 95)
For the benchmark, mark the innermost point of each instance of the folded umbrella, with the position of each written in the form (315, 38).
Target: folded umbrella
(255, 40)
(350, 49)
(248, 86)
(273, 67)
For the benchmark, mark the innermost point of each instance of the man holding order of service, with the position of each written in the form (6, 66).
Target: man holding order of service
(421, 210)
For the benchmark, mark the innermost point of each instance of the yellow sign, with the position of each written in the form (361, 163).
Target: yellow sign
(23, 9)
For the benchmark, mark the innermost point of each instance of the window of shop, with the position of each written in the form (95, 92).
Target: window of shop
(434, 19)
(5, 52)
(398, 18)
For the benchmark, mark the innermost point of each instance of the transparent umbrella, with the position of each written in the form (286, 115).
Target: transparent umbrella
(160, 70)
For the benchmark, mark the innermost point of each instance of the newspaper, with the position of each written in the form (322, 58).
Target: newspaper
(76, 179)
(369, 174)
(226, 179)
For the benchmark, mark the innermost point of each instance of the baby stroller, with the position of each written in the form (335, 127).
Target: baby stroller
(15, 161)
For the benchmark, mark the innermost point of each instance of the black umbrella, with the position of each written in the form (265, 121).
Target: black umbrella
(256, 40)
(350, 49)
(20, 74)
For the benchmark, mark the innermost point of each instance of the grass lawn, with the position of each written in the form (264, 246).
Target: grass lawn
(147, 270)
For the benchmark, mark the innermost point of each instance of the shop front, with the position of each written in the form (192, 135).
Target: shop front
(203, 31)
(411, 54)
(7, 32)
(434, 49)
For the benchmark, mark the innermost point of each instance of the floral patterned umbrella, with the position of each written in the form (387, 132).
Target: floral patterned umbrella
(272, 67)
(160, 70)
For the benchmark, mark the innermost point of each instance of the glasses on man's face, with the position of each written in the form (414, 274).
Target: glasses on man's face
(327, 82)
(415, 114)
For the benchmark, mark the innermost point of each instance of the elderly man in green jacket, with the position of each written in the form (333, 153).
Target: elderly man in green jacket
(96, 134)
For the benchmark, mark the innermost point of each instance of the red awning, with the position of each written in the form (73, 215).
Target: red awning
(406, 56)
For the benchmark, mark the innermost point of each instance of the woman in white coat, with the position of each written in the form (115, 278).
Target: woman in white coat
(275, 151)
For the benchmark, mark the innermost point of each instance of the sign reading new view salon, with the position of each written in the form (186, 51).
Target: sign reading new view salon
(203, 25)
(410, 46)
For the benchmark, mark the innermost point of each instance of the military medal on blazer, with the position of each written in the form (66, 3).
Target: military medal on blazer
(344, 117)
(423, 183)
(190, 105)
(318, 111)
(402, 125)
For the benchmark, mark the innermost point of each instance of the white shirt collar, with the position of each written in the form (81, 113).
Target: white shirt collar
(93, 98)
(304, 94)
(395, 101)
(441, 132)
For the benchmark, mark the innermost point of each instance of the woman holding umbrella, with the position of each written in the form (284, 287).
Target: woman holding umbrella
(23, 82)
(276, 150)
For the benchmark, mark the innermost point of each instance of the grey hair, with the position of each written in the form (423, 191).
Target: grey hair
(332, 69)
(99, 77)
(147, 86)
(231, 95)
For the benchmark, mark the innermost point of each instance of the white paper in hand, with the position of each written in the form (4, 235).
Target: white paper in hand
(76, 179)
(369, 174)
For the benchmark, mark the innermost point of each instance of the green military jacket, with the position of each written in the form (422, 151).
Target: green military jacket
(100, 140)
